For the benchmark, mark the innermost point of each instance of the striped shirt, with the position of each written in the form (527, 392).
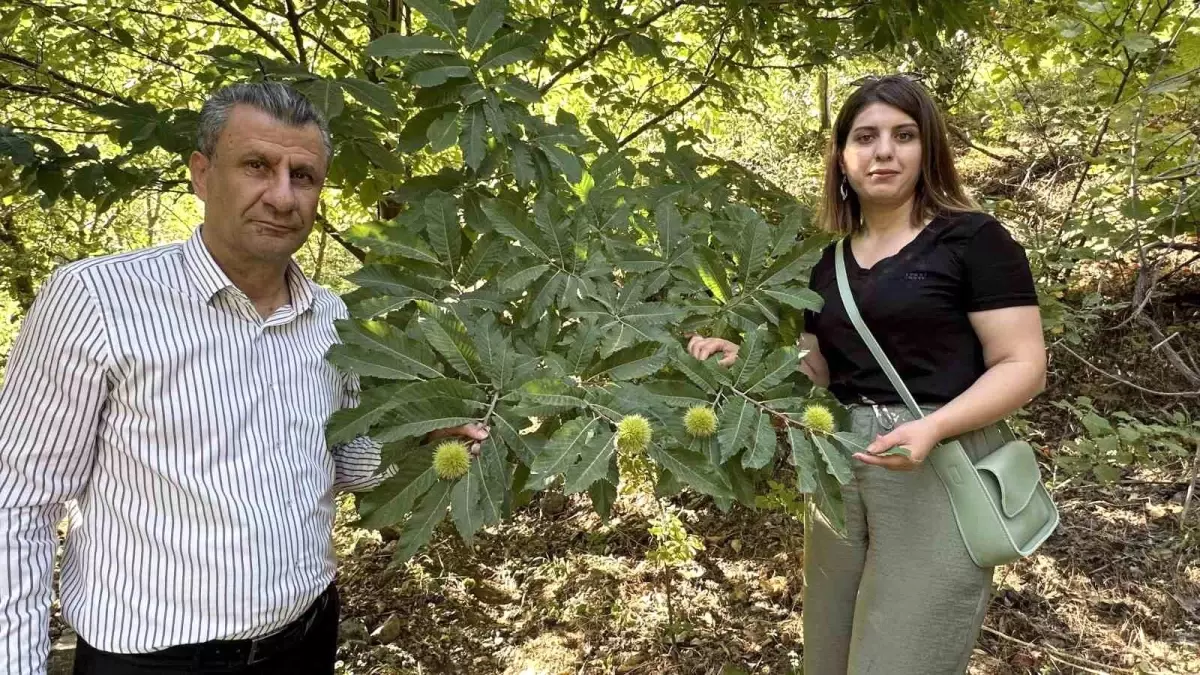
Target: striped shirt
(184, 435)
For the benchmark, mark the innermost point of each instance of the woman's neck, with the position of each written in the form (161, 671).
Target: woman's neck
(885, 220)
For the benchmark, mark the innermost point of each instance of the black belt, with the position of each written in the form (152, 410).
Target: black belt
(254, 650)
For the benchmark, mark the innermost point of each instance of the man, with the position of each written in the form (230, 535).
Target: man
(179, 394)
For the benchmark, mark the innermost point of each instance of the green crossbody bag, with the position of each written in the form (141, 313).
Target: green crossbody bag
(1002, 509)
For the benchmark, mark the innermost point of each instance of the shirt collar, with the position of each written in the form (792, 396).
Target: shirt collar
(208, 277)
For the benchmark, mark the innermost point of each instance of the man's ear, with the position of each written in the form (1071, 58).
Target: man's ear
(198, 165)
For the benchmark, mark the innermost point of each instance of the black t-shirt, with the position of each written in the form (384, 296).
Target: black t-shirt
(916, 304)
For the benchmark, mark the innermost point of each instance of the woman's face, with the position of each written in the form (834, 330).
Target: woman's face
(882, 157)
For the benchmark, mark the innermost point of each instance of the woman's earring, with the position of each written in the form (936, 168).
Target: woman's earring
(844, 189)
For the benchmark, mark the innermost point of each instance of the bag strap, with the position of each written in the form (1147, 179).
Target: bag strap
(865, 333)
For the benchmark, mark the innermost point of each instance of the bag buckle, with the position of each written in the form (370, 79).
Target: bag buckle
(253, 657)
(886, 419)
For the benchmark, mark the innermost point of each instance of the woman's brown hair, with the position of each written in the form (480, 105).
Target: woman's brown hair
(938, 190)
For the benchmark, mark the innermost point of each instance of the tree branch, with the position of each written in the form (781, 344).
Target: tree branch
(262, 32)
(69, 99)
(337, 236)
(609, 41)
(329, 48)
(1132, 61)
(297, 32)
(677, 106)
(147, 12)
(1122, 380)
(962, 136)
(38, 68)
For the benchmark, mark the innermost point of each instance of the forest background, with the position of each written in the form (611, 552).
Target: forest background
(599, 174)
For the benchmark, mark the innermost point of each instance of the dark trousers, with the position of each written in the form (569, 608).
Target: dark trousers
(308, 646)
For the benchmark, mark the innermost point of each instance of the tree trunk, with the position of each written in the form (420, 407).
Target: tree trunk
(823, 95)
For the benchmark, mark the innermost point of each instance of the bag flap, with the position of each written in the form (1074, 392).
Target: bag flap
(1014, 465)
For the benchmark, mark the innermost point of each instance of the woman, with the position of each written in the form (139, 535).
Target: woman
(950, 297)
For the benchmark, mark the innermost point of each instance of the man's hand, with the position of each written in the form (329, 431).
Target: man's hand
(702, 348)
(918, 437)
(475, 433)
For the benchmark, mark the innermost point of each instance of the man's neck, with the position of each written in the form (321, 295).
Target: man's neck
(264, 283)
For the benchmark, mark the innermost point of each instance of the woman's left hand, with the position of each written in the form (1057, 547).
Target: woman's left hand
(918, 437)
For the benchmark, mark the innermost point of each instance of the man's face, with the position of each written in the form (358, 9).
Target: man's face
(261, 186)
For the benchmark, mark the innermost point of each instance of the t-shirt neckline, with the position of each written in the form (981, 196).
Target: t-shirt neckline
(852, 262)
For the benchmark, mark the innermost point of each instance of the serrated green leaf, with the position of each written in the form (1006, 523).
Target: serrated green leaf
(775, 369)
(565, 446)
(524, 446)
(763, 445)
(544, 294)
(346, 424)
(553, 392)
(513, 226)
(604, 495)
(509, 49)
(827, 500)
(788, 268)
(593, 465)
(388, 279)
(437, 420)
(521, 274)
(521, 90)
(523, 167)
(367, 363)
(485, 254)
(750, 355)
(495, 115)
(799, 298)
(445, 232)
(326, 95)
(557, 243)
(694, 470)
(387, 340)
(392, 500)
(742, 484)
(711, 269)
(418, 530)
(565, 160)
(397, 46)
(415, 134)
(500, 361)
(805, 461)
(631, 363)
(472, 139)
(755, 240)
(392, 240)
(851, 442)
(674, 393)
(464, 505)
(700, 373)
(738, 418)
(835, 461)
(438, 75)
(486, 18)
(446, 334)
(670, 227)
(443, 132)
(436, 13)
(371, 94)
(493, 469)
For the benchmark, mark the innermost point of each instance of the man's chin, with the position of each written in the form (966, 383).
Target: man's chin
(276, 247)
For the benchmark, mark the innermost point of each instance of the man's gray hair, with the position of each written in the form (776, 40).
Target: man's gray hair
(276, 99)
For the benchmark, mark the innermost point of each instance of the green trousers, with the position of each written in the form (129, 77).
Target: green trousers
(899, 595)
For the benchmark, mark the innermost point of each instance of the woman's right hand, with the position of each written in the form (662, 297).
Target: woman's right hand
(702, 348)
